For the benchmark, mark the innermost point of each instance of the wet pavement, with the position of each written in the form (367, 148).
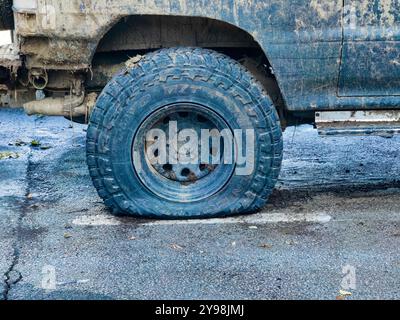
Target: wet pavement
(337, 204)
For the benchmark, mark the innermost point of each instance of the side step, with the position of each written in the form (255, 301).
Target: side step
(385, 123)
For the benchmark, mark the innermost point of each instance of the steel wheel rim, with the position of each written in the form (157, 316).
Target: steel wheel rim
(181, 182)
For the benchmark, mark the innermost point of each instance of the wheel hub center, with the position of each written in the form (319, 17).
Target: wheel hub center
(183, 146)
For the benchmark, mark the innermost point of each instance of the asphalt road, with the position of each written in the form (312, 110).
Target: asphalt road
(337, 205)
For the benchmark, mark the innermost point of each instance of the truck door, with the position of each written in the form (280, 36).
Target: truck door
(370, 64)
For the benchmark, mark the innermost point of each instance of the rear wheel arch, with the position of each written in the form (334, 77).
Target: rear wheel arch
(252, 51)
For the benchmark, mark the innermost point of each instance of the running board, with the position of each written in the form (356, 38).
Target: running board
(385, 123)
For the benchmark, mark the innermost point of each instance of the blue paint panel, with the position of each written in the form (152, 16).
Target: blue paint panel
(370, 68)
(371, 49)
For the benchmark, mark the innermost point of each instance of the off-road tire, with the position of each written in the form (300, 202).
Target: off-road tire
(123, 103)
(6, 15)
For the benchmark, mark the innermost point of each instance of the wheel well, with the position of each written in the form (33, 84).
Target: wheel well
(135, 35)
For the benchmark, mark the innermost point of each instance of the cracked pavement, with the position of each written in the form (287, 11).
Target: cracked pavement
(339, 198)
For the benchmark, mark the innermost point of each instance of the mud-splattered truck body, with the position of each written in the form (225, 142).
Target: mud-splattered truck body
(333, 62)
(320, 60)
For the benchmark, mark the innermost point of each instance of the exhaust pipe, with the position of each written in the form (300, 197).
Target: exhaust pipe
(69, 106)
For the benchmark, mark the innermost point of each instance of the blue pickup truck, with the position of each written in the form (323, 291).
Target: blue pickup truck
(186, 100)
